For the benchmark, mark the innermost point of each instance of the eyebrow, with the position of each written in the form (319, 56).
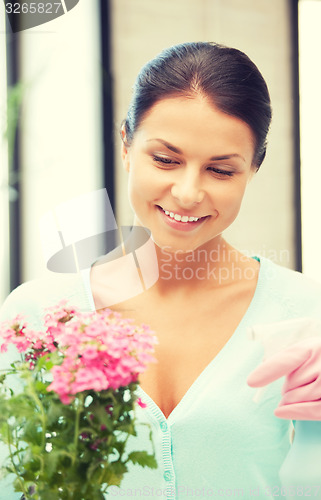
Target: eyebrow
(180, 152)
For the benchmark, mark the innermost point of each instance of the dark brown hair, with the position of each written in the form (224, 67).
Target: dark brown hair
(226, 76)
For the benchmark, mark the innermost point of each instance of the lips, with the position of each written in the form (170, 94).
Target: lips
(183, 218)
(179, 223)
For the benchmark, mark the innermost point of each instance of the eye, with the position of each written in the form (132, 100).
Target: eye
(164, 160)
(221, 172)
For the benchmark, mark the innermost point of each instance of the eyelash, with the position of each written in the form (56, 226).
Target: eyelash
(168, 161)
(221, 172)
(163, 160)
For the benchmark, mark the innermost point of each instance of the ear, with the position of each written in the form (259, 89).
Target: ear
(124, 149)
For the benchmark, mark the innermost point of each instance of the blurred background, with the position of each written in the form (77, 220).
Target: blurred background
(65, 87)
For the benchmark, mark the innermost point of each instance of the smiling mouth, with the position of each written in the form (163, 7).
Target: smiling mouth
(181, 218)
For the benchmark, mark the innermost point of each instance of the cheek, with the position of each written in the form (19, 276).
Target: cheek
(145, 183)
(229, 198)
(133, 194)
(139, 188)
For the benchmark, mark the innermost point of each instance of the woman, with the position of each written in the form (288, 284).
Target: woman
(194, 136)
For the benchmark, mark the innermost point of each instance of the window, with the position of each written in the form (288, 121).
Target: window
(4, 191)
(310, 114)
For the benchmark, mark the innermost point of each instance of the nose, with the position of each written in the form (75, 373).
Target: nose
(187, 189)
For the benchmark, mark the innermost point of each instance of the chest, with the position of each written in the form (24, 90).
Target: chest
(189, 338)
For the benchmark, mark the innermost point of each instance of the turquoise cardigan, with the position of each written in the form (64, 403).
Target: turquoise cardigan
(217, 442)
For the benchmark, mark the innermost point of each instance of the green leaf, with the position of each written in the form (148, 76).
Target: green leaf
(143, 458)
(118, 467)
(54, 412)
(41, 387)
(111, 478)
(32, 433)
(51, 461)
(44, 362)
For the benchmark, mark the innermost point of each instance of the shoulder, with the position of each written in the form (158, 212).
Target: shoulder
(287, 279)
(32, 297)
(294, 290)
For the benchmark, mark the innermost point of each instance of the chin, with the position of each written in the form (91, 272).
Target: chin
(181, 247)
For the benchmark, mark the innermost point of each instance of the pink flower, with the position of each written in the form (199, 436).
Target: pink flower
(141, 403)
(86, 379)
(90, 352)
(95, 351)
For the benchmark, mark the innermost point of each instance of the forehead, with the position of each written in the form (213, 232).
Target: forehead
(194, 123)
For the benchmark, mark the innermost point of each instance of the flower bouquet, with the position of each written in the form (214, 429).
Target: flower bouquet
(68, 405)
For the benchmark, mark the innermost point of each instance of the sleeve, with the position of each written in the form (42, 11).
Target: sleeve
(23, 300)
(30, 299)
(14, 304)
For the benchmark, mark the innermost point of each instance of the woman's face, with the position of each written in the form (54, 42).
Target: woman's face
(188, 166)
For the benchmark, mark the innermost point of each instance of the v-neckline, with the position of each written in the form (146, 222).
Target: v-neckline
(194, 387)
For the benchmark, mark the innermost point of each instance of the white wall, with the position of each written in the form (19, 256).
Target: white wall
(261, 28)
(61, 120)
(310, 111)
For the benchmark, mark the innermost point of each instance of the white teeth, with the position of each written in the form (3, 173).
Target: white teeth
(180, 218)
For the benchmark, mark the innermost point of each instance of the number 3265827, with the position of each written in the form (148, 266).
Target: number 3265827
(32, 8)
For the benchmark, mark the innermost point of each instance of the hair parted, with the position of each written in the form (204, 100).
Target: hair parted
(226, 76)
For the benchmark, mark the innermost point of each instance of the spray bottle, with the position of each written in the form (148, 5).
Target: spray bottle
(300, 473)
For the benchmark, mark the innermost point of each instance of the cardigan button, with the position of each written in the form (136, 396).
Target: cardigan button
(167, 475)
(164, 426)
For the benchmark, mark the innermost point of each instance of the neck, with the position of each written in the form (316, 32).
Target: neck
(213, 264)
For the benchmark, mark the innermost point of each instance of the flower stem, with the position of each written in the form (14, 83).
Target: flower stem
(42, 415)
(13, 463)
(80, 406)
